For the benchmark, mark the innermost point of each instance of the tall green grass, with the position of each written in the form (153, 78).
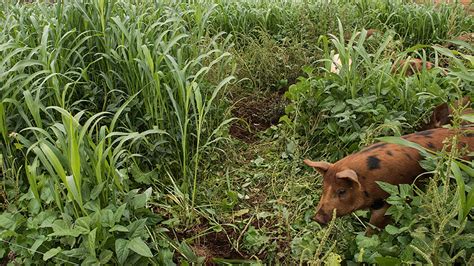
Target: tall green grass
(99, 96)
(100, 53)
(415, 23)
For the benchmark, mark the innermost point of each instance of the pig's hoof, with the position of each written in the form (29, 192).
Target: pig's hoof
(371, 231)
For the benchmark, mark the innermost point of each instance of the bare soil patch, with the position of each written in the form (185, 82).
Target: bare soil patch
(213, 245)
(258, 113)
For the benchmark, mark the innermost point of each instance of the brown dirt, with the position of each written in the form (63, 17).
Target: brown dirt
(259, 112)
(212, 245)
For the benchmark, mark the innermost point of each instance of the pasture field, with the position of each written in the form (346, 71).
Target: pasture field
(173, 132)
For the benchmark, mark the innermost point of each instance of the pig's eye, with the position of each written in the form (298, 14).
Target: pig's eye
(341, 192)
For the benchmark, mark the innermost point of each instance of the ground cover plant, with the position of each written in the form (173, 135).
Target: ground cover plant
(173, 132)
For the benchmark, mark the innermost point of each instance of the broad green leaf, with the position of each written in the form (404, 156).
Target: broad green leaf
(139, 201)
(105, 256)
(91, 242)
(140, 247)
(61, 228)
(119, 212)
(463, 76)
(51, 253)
(48, 222)
(6, 220)
(75, 252)
(92, 205)
(389, 188)
(121, 250)
(118, 228)
(82, 224)
(91, 260)
(367, 242)
(107, 217)
(405, 190)
(39, 241)
(392, 229)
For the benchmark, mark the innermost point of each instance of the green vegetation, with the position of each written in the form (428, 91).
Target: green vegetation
(168, 132)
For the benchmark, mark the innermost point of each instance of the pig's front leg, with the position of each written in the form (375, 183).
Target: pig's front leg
(378, 219)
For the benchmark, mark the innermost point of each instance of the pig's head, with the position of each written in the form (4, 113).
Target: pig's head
(342, 191)
(442, 113)
(439, 117)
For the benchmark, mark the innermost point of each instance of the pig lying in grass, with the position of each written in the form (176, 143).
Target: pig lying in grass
(415, 65)
(468, 38)
(350, 183)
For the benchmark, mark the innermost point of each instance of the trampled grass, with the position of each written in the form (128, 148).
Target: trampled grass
(117, 146)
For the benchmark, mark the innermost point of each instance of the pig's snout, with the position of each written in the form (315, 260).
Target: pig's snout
(322, 217)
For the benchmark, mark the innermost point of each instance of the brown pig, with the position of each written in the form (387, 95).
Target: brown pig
(415, 65)
(350, 183)
(468, 38)
(442, 114)
(370, 32)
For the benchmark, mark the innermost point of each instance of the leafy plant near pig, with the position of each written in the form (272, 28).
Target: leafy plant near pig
(350, 184)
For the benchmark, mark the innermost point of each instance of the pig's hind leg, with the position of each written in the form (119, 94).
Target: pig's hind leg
(378, 219)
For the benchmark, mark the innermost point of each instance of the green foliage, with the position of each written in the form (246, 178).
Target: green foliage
(366, 100)
(98, 97)
(103, 235)
(115, 116)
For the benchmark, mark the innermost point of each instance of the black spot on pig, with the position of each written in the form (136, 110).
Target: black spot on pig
(425, 133)
(373, 162)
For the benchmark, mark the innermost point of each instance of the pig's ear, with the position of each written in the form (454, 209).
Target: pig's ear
(321, 167)
(349, 174)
